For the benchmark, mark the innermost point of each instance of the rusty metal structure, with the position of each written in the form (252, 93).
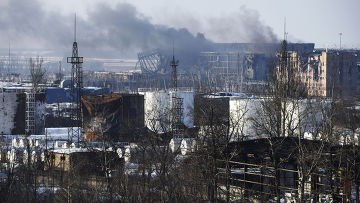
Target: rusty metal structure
(76, 87)
(117, 117)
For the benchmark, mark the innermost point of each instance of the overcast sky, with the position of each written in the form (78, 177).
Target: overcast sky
(318, 21)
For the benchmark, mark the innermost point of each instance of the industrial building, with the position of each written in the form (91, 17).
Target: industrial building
(237, 114)
(81, 160)
(236, 67)
(117, 116)
(243, 67)
(159, 105)
(265, 168)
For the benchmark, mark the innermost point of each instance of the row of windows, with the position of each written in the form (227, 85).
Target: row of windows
(316, 92)
(314, 84)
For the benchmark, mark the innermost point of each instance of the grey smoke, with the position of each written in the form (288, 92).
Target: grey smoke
(242, 26)
(116, 32)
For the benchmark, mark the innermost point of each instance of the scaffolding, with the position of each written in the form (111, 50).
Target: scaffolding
(177, 125)
(30, 112)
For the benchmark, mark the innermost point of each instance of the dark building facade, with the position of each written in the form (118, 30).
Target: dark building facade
(119, 117)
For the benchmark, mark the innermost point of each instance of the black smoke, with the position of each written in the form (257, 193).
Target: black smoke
(113, 32)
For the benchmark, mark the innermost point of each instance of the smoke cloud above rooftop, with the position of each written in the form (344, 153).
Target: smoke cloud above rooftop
(119, 31)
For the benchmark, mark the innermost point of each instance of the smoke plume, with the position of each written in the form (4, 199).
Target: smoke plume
(118, 32)
(242, 26)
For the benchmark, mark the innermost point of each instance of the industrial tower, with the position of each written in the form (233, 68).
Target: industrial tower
(177, 125)
(76, 87)
(173, 65)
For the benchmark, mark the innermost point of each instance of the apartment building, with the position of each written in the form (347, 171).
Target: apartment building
(326, 73)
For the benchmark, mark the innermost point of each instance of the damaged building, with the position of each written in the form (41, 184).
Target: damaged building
(243, 67)
(233, 67)
(326, 73)
(117, 116)
(19, 112)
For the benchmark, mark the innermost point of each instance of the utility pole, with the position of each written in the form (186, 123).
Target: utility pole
(9, 65)
(60, 72)
(240, 73)
(340, 34)
(285, 33)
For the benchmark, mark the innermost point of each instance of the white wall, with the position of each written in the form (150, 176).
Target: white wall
(304, 113)
(157, 106)
(188, 107)
(242, 110)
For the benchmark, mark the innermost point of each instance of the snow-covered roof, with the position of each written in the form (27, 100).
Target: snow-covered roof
(69, 150)
(93, 88)
(52, 134)
(227, 94)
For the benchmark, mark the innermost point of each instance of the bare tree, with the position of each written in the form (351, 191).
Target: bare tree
(37, 71)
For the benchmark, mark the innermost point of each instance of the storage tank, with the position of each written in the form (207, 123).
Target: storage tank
(187, 146)
(174, 144)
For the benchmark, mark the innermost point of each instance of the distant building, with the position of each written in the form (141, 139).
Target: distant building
(243, 67)
(326, 73)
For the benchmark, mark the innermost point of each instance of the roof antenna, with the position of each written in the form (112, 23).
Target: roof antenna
(285, 33)
(9, 65)
(173, 65)
(340, 34)
(173, 48)
(75, 29)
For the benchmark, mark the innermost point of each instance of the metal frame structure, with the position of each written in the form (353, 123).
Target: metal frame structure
(177, 125)
(173, 65)
(152, 62)
(76, 87)
(30, 112)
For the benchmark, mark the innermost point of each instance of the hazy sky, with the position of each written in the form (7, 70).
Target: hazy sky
(318, 21)
(118, 28)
